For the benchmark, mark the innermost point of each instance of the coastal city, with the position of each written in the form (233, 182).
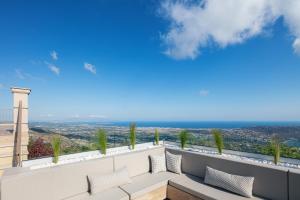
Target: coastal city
(79, 136)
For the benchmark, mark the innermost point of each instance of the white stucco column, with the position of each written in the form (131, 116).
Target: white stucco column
(21, 95)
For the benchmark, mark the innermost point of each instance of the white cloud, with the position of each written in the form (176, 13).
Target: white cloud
(47, 115)
(204, 93)
(20, 74)
(296, 46)
(89, 67)
(97, 116)
(76, 116)
(53, 68)
(23, 75)
(1, 86)
(194, 26)
(54, 55)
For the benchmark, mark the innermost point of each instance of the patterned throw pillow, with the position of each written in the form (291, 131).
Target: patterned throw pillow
(101, 182)
(173, 163)
(158, 163)
(242, 185)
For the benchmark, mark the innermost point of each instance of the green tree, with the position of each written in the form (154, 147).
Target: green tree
(275, 142)
(102, 140)
(132, 135)
(156, 137)
(56, 146)
(218, 138)
(183, 137)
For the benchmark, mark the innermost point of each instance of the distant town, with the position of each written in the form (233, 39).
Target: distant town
(78, 136)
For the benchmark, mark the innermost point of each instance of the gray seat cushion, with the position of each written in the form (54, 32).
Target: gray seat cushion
(270, 182)
(196, 187)
(146, 183)
(111, 194)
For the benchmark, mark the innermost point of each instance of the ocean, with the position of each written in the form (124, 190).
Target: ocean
(206, 124)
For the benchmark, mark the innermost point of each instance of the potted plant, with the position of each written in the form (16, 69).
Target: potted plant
(56, 146)
(183, 137)
(218, 138)
(132, 135)
(275, 143)
(102, 140)
(156, 137)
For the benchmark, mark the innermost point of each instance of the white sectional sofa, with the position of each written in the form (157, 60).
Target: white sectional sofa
(70, 182)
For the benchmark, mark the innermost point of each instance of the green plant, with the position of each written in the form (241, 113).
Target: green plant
(102, 140)
(183, 137)
(218, 138)
(56, 146)
(132, 134)
(275, 142)
(156, 137)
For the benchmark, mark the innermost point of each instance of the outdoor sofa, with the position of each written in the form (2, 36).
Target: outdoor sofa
(71, 181)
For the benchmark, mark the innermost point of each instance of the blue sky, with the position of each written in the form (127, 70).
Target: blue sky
(147, 60)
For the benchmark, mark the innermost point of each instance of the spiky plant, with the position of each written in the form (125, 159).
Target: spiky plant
(156, 137)
(275, 142)
(218, 138)
(102, 140)
(56, 146)
(183, 137)
(132, 134)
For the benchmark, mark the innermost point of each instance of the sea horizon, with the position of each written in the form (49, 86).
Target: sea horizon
(178, 124)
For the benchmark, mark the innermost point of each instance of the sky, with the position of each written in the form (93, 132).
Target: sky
(212, 60)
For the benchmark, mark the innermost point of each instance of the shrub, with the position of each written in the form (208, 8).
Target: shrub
(183, 137)
(38, 148)
(218, 140)
(275, 142)
(56, 145)
(156, 137)
(132, 135)
(102, 140)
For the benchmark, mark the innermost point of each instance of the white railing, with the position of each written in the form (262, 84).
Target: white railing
(6, 116)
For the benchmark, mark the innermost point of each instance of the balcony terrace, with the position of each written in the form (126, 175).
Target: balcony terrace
(141, 171)
(85, 176)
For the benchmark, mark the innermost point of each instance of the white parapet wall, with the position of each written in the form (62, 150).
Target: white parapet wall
(243, 156)
(79, 157)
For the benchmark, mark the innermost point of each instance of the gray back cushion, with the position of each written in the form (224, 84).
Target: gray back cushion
(137, 162)
(269, 182)
(294, 184)
(74, 179)
(53, 183)
(33, 185)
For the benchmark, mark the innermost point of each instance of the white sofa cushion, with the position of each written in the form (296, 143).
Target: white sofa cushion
(100, 182)
(146, 183)
(158, 163)
(111, 194)
(242, 185)
(137, 162)
(173, 163)
(195, 186)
